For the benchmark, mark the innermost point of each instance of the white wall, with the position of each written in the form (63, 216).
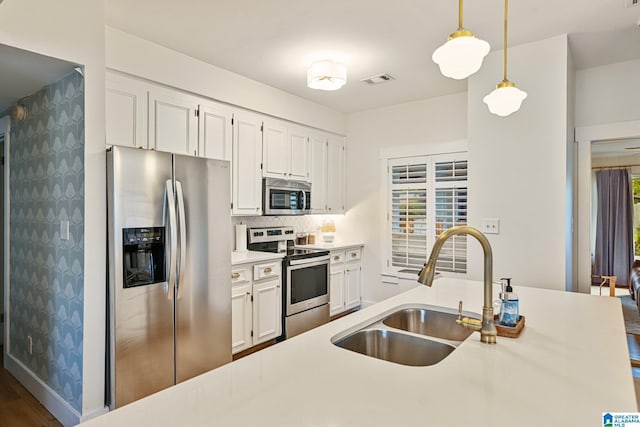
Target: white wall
(518, 165)
(571, 235)
(426, 123)
(608, 94)
(53, 29)
(162, 65)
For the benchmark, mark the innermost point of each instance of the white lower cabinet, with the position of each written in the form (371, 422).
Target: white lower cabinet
(241, 317)
(336, 289)
(256, 307)
(352, 282)
(267, 318)
(345, 280)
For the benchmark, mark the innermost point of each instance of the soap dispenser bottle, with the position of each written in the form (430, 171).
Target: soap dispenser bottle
(509, 307)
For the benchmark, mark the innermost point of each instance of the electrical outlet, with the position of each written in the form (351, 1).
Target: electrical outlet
(490, 225)
(29, 344)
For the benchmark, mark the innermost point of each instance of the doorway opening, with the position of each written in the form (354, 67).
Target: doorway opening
(615, 213)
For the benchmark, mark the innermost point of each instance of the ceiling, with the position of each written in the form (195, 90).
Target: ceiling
(619, 148)
(26, 72)
(269, 40)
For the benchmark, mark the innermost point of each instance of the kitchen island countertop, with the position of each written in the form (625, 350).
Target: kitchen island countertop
(569, 365)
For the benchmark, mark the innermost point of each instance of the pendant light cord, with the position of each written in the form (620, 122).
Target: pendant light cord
(460, 14)
(506, 12)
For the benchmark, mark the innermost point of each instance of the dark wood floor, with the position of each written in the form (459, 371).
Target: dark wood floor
(18, 408)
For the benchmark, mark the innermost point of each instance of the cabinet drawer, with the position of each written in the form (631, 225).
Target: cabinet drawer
(240, 275)
(262, 271)
(337, 257)
(354, 254)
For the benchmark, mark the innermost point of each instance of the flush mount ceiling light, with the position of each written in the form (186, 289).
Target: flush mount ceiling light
(326, 75)
(462, 54)
(506, 98)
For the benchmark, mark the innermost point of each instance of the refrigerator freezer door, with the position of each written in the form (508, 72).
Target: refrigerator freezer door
(203, 306)
(141, 317)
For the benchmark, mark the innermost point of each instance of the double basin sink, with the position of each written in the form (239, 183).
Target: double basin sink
(411, 335)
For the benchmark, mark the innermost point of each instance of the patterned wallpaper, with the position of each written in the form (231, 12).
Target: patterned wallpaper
(47, 278)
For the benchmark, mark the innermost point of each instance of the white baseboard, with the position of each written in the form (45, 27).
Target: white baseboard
(93, 414)
(51, 400)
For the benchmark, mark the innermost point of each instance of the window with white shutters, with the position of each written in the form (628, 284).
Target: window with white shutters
(427, 196)
(408, 215)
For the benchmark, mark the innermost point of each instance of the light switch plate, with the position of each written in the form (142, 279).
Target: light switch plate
(64, 230)
(490, 225)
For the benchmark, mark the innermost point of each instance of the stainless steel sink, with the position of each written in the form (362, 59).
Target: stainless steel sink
(420, 335)
(396, 347)
(433, 323)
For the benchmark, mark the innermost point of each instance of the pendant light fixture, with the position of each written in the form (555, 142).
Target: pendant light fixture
(327, 75)
(462, 54)
(506, 98)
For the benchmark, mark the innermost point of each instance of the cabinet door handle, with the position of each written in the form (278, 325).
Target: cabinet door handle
(235, 275)
(248, 293)
(268, 270)
(353, 254)
(336, 258)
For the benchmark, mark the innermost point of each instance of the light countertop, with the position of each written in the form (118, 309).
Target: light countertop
(569, 365)
(334, 246)
(238, 258)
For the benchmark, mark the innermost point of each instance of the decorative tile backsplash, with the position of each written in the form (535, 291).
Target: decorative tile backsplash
(306, 223)
(302, 223)
(47, 277)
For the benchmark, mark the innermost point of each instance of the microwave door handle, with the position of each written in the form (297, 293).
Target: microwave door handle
(182, 233)
(304, 200)
(170, 212)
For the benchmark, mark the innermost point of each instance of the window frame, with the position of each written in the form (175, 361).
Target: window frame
(388, 270)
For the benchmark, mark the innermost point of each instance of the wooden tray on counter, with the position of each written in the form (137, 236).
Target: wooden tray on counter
(509, 331)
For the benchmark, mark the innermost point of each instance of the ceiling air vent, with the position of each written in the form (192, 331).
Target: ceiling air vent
(631, 3)
(377, 79)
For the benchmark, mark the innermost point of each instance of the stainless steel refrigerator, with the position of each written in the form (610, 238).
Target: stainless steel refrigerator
(169, 267)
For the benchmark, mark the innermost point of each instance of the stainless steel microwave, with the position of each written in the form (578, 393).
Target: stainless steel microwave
(283, 197)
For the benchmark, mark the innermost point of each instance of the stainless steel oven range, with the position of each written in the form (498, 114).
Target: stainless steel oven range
(305, 279)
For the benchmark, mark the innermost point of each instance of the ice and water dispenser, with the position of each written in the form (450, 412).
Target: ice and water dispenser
(144, 256)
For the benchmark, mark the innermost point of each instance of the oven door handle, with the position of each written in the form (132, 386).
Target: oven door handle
(309, 262)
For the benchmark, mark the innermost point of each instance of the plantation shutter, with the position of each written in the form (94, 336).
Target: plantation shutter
(427, 195)
(450, 211)
(409, 204)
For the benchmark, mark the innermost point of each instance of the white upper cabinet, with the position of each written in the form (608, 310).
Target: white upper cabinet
(173, 121)
(142, 114)
(276, 152)
(285, 151)
(125, 111)
(215, 131)
(247, 154)
(298, 150)
(318, 172)
(335, 175)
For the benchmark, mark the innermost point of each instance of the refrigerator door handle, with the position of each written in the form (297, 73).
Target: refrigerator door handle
(170, 211)
(182, 232)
